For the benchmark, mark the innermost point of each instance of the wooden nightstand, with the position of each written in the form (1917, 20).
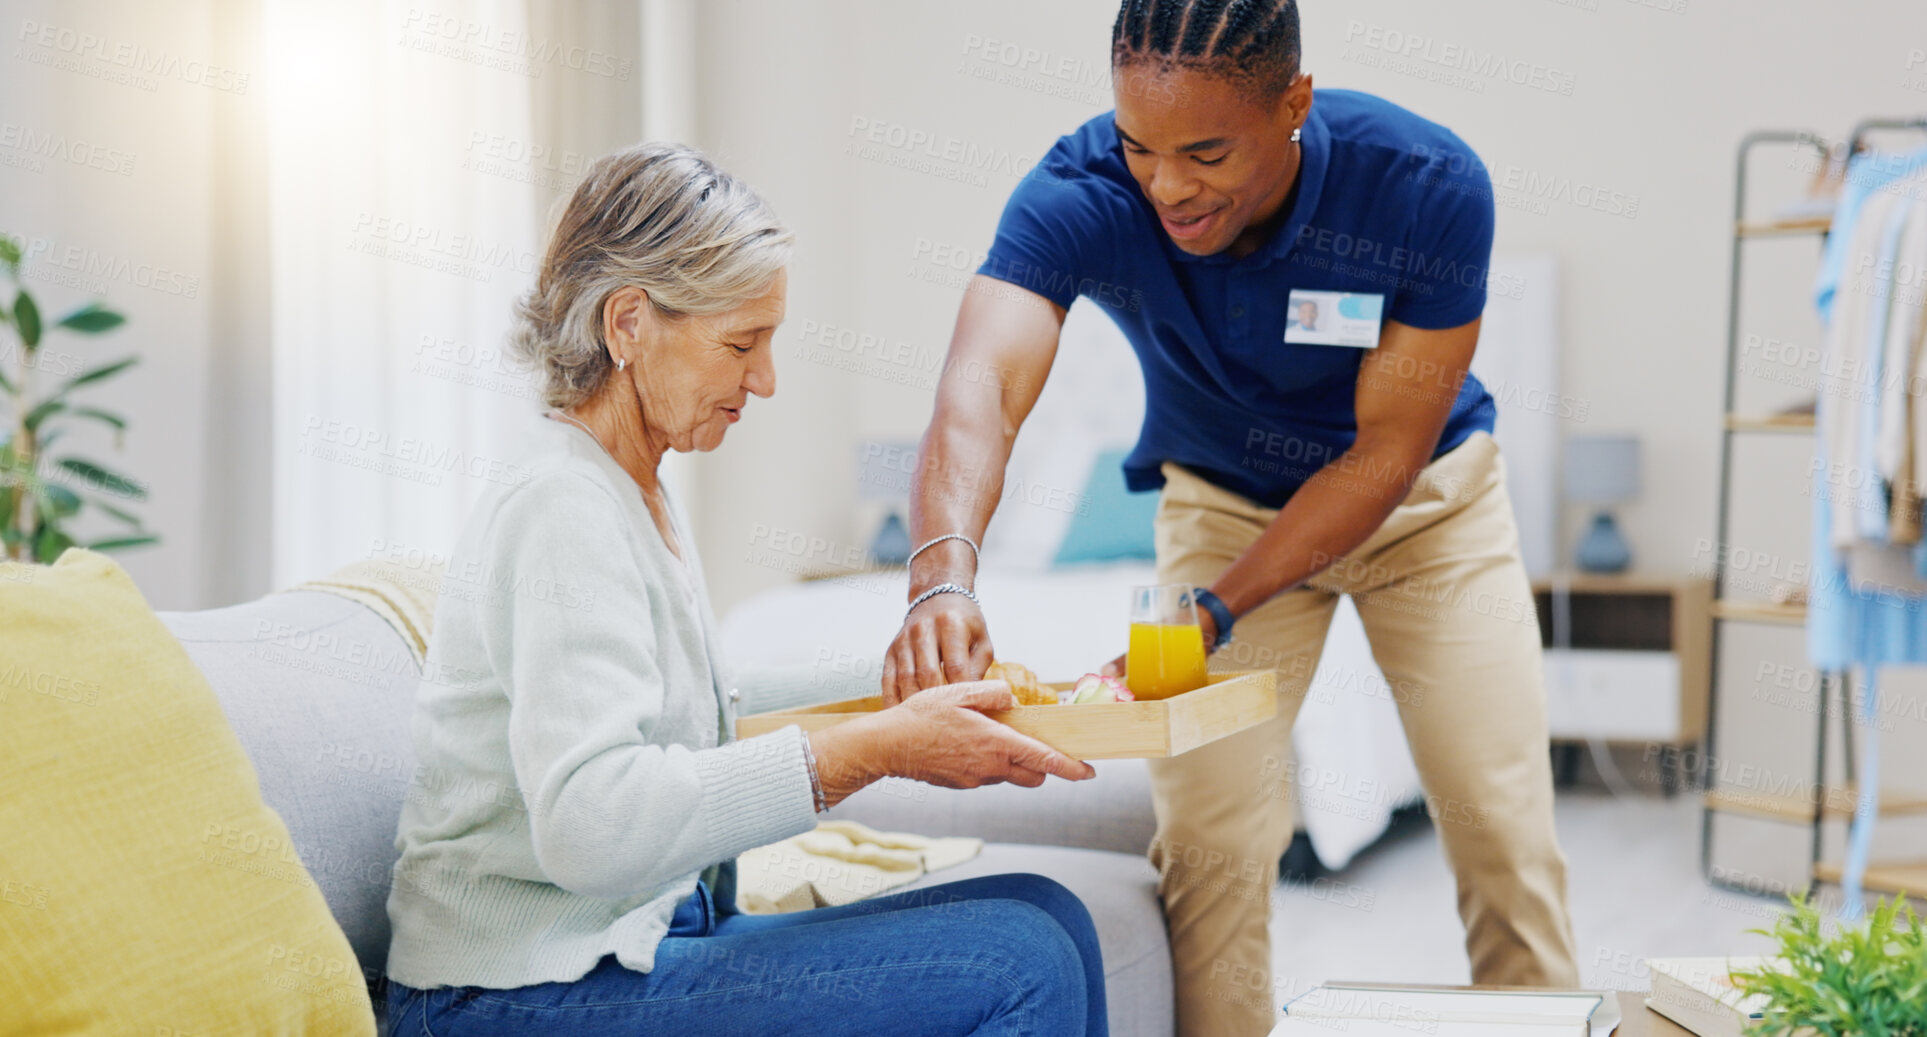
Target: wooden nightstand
(1635, 667)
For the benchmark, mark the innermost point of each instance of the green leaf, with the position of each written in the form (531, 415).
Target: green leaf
(26, 317)
(5, 385)
(125, 516)
(1867, 980)
(116, 543)
(103, 479)
(108, 417)
(92, 319)
(47, 409)
(95, 375)
(56, 501)
(49, 542)
(10, 253)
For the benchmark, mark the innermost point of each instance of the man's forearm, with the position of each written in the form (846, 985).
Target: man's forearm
(960, 476)
(1336, 510)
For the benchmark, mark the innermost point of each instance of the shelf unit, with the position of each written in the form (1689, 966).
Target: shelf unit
(1825, 803)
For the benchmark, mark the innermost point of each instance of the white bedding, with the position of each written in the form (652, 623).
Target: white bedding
(1352, 764)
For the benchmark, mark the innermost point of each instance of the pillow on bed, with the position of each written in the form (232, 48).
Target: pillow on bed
(1111, 523)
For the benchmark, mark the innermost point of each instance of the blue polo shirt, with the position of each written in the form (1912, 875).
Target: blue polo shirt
(1386, 203)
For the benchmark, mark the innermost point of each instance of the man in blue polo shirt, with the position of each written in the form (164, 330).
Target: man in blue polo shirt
(1301, 275)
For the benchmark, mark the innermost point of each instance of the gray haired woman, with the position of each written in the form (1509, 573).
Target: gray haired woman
(571, 867)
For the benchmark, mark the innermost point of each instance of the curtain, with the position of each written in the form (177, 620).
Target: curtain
(416, 156)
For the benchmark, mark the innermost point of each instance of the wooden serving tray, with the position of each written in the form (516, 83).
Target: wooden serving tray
(1230, 703)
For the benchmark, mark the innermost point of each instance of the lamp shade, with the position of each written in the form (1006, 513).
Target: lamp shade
(1602, 469)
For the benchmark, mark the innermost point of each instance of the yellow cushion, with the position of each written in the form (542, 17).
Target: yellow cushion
(144, 886)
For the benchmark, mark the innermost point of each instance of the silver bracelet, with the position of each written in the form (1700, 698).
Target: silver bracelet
(816, 783)
(941, 588)
(975, 555)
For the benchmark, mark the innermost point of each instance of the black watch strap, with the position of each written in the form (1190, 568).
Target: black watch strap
(1220, 614)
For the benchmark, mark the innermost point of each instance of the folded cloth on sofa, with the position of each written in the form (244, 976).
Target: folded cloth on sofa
(840, 862)
(403, 595)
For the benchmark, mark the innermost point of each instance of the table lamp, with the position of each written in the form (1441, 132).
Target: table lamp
(1602, 471)
(885, 469)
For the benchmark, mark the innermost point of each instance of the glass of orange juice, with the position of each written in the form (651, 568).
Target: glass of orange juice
(1167, 648)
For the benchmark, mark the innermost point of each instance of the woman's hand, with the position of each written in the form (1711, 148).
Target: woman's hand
(942, 737)
(943, 641)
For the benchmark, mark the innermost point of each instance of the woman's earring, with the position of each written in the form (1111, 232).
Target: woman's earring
(1294, 135)
(621, 363)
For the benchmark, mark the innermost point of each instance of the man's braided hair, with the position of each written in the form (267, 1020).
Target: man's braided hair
(1255, 43)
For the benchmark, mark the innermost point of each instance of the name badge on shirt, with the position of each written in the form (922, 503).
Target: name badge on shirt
(1334, 319)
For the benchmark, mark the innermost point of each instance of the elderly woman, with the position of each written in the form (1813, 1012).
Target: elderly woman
(568, 863)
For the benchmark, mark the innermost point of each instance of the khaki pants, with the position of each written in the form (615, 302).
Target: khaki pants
(1449, 613)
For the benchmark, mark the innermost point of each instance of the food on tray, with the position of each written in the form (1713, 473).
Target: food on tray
(1093, 688)
(1023, 683)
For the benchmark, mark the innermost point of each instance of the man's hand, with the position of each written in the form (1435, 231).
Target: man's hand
(944, 641)
(999, 357)
(1406, 390)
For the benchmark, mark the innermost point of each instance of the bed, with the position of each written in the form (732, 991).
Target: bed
(1065, 620)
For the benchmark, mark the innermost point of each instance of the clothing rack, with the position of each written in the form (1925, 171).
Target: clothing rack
(1820, 805)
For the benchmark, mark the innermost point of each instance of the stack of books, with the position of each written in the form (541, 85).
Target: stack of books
(1698, 994)
(1361, 1010)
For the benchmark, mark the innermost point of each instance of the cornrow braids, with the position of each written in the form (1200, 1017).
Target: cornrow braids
(1253, 42)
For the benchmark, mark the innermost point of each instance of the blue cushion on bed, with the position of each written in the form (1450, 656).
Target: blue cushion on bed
(1111, 523)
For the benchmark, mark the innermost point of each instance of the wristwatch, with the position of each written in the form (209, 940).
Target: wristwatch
(1220, 614)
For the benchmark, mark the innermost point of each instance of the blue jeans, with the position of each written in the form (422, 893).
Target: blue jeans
(998, 955)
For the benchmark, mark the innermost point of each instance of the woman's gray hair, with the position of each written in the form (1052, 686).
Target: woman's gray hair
(663, 218)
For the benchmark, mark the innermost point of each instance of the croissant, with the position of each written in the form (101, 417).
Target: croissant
(1023, 683)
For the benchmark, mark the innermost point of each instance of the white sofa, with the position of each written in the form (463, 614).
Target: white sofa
(320, 689)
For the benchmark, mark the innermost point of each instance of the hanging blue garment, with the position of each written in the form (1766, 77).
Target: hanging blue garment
(1851, 626)
(1847, 625)
(1865, 174)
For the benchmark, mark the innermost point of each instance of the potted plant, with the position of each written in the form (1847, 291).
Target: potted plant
(1867, 980)
(41, 496)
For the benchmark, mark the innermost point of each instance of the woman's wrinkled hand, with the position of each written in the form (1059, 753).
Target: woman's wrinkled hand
(940, 736)
(944, 738)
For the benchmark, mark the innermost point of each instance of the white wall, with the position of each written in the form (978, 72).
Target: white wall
(148, 236)
(1659, 101)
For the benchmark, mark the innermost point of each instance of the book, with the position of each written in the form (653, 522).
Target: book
(1698, 994)
(1361, 1010)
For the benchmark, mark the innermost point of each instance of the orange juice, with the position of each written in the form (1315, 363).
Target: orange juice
(1165, 659)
